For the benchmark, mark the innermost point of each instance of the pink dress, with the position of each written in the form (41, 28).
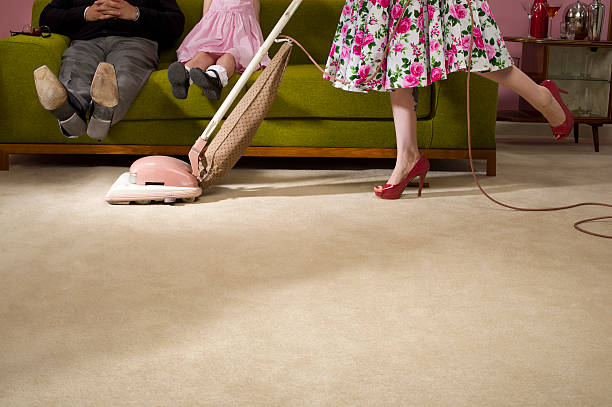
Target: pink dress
(229, 27)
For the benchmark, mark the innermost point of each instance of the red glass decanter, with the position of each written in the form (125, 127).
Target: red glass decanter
(539, 19)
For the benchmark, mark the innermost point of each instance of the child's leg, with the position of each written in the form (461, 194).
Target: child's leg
(178, 73)
(215, 77)
(201, 60)
(403, 106)
(538, 96)
(228, 62)
(223, 69)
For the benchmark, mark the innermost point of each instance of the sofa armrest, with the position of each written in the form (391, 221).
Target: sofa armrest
(20, 50)
(20, 55)
(449, 122)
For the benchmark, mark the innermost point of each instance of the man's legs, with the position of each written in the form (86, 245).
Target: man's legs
(67, 97)
(79, 63)
(134, 59)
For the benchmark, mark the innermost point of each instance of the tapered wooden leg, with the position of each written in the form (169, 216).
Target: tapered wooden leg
(576, 132)
(492, 166)
(595, 128)
(4, 161)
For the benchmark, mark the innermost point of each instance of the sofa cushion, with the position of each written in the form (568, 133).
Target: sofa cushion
(304, 93)
(155, 101)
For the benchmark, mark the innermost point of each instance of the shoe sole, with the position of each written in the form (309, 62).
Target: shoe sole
(104, 89)
(209, 89)
(179, 79)
(50, 90)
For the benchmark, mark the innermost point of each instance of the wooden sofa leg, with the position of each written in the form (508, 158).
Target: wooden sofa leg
(492, 165)
(4, 161)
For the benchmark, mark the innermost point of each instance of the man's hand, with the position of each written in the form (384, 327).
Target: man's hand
(106, 9)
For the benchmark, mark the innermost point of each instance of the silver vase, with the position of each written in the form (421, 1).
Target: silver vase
(595, 20)
(577, 13)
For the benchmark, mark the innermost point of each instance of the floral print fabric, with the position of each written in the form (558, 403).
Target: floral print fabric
(431, 41)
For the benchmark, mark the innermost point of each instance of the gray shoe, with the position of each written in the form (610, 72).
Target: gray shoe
(105, 96)
(54, 98)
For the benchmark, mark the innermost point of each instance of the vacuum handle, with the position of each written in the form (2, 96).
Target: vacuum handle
(252, 67)
(196, 149)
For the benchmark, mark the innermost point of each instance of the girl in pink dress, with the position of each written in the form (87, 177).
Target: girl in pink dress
(223, 42)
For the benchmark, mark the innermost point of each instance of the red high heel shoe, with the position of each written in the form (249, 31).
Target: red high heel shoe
(390, 191)
(562, 131)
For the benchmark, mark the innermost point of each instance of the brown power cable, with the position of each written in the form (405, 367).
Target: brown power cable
(469, 134)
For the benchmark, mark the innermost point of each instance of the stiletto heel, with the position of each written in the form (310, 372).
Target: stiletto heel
(394, 191)
(421, 182)
(562, 131)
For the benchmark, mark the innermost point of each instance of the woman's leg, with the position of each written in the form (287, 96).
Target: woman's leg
(538, 96)
(403, 107)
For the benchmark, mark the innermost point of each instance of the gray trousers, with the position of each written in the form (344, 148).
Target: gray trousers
(134, 59)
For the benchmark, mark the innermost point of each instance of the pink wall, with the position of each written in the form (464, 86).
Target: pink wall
(510, 16)
(513, 22)
(15, 14)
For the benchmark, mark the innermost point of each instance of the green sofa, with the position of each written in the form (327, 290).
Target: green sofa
(309, 117)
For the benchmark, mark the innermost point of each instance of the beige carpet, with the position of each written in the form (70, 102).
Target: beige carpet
(293, 287)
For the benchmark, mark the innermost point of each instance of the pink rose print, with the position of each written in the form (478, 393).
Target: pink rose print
(345, 52)
(490, 51)
(450, 59)
(396, 12)
(479, 42)
(345, 28)
(398, 47)
(346, 10)
(333, 50)
(430, 11)
(410, 81)
(421, 22)
(364, 71)
(477, 32)
(417, 69)
(356, 50)
(435, 45)
(465, 42)
(368, 39)
(458, 11)
(404, 25)
(485, 7)
(359, 37)
(384, 3)
(436, 74)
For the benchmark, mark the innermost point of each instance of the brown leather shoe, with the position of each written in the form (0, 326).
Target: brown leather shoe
(104, 90)
(54, 98)
(105, 96)
(51, 92)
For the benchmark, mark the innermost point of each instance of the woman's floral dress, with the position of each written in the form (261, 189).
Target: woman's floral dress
(432, 40)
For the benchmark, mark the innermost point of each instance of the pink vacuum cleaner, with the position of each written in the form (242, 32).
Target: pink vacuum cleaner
(167, 179)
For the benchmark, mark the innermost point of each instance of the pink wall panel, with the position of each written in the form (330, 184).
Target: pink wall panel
(510, 16)
(15, 14)
(513, 22)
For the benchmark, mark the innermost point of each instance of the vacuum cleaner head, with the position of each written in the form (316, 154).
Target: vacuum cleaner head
(155, 178)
